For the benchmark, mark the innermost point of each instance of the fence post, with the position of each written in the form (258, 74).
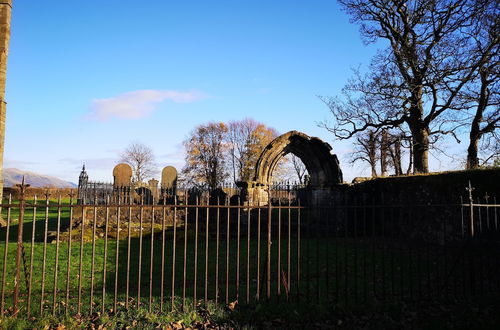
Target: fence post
(20, 247)
(471, 209)
(269, 242)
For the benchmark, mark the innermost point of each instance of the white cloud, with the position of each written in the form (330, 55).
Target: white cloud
(137, 104)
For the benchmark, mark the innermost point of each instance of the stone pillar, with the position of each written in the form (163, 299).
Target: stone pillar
(5, 14)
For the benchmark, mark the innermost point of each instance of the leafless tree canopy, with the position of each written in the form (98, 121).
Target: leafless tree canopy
(416, 81)
(246, 139)
(206, 148)
(141, 158)
(482, 95)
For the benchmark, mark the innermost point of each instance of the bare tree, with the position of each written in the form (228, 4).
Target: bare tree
(395, 153)
(205, 155)
(299, 167)
(416, 79)
(246, 139)
(141, 158)
(482, 94)
(365, 150)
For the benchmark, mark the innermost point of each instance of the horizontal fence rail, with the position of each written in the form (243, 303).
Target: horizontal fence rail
(63, 257)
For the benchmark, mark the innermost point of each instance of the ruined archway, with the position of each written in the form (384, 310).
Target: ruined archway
(323, 166)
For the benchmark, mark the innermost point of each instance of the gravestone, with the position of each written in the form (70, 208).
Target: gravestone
(168, 182)
(122, 175)
(153, 187)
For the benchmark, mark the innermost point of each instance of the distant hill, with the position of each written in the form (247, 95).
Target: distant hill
(13, 176)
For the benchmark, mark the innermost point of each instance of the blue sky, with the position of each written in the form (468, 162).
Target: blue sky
(86, 78)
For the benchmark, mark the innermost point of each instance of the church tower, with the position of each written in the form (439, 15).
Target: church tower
(83, 179)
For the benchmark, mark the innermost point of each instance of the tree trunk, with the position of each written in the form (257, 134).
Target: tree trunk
(396, 156)
(372, 153)
(383, 153)
(410, 157)
(420, 139)
(475, 129)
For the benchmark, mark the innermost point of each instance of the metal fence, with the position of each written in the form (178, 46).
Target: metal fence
(61, 257)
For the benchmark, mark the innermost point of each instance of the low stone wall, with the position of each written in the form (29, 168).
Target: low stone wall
(421, 207)
(438, 188)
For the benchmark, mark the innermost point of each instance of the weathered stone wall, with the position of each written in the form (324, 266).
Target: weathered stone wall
(423, 207)
(444, 188)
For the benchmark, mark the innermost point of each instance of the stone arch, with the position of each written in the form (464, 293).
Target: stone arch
(323, 166)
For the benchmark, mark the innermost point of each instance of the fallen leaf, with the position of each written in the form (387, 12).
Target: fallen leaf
(233, 305)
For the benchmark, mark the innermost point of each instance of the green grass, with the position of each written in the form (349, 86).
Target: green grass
(337, 271)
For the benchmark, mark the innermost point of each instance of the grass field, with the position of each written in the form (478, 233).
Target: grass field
(335, 270)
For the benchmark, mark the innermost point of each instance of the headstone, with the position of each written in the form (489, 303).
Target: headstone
(169, 177)
(168, 184)
(153, 187)
(122, 174)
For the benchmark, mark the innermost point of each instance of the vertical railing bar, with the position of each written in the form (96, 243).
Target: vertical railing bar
(227, 250)
(365, 252)
(298, 248)
(486, 197)
(392, 242)
(104, 266)
(206, 252)
(20, 248)
(92, 264)
(326, 239)
(238, 252)
(117, 252)
(249, 211)
(139, 266)
(258, 251)
(382, 210)
(217, 253)
(32, 252)
(68, 269)
(347, 208)
(268, 257)
(336, 254)
(479, 213)
(44, 258)
(471, 210)
(308, 256)
(462, 215)
(129, 231)
(174, 247)
(151, 258)
(318, 274)
(278, 282)
(162, 284)
(195, 280)
(495, 208)
(288, 268)
(355, 248)
(185, 253)
(373, 246)
(80, 270)
(56, 262)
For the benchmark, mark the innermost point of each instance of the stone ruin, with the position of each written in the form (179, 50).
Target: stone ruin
(325, 177)
(323, 167)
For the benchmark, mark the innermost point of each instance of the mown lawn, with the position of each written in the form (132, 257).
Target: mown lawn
(337, 273)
